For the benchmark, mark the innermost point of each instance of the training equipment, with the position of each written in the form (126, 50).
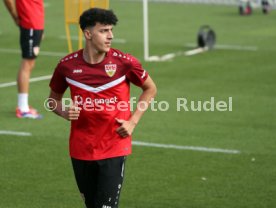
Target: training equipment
(206, 39)
(72, 11)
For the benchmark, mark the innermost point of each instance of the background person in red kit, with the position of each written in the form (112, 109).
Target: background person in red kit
(29, 17)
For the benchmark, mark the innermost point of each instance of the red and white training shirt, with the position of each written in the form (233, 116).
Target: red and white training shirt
(31, 14)
(102, 91)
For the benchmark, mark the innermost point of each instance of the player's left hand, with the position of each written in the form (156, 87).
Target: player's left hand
(126, 127)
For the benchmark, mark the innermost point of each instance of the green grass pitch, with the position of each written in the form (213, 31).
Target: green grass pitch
(35, 171)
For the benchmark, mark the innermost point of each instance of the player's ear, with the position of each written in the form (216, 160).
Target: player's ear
(87, 34)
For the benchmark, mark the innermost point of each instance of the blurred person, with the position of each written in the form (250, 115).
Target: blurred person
(99, 79)
(266, 6)
(245, 7)
(28, 15)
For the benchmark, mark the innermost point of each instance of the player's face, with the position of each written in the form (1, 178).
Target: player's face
(101, 37)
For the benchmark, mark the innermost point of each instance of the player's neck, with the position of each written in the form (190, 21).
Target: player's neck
(92, 56)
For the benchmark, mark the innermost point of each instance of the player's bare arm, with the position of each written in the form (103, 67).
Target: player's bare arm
(55, 104)
(10, 4)
(149, 92)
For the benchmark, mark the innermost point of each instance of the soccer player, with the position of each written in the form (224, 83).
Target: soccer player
(29, 16)
(99, 79)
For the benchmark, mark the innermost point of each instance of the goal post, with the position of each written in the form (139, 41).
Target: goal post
(146, 30)
(72, 11)
(147, 57)
(168, 56)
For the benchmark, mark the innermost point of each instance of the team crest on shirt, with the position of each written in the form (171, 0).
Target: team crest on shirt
(110, 69)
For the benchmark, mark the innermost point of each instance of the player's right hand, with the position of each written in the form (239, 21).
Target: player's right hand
(73, 112)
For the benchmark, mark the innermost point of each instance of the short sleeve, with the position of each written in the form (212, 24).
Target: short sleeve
(58, 83)
(136, 75)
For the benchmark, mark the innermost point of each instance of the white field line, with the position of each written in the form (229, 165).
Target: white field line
(147, 144)
(15, 133)
(193, 148)
(195, 50)
(228, 47)
(170, 56)
(35, 79)
(76, 38)
(43, 53)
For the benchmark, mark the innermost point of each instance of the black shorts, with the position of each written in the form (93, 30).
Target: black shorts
(100, 181)
(29, 42)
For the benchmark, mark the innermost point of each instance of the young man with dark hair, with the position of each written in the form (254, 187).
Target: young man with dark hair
(99, 79)
(29, 16)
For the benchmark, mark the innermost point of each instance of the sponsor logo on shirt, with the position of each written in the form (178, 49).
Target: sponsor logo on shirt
(79, 100)
(110, 69)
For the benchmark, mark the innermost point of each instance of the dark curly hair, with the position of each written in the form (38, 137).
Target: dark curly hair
(90, 17)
